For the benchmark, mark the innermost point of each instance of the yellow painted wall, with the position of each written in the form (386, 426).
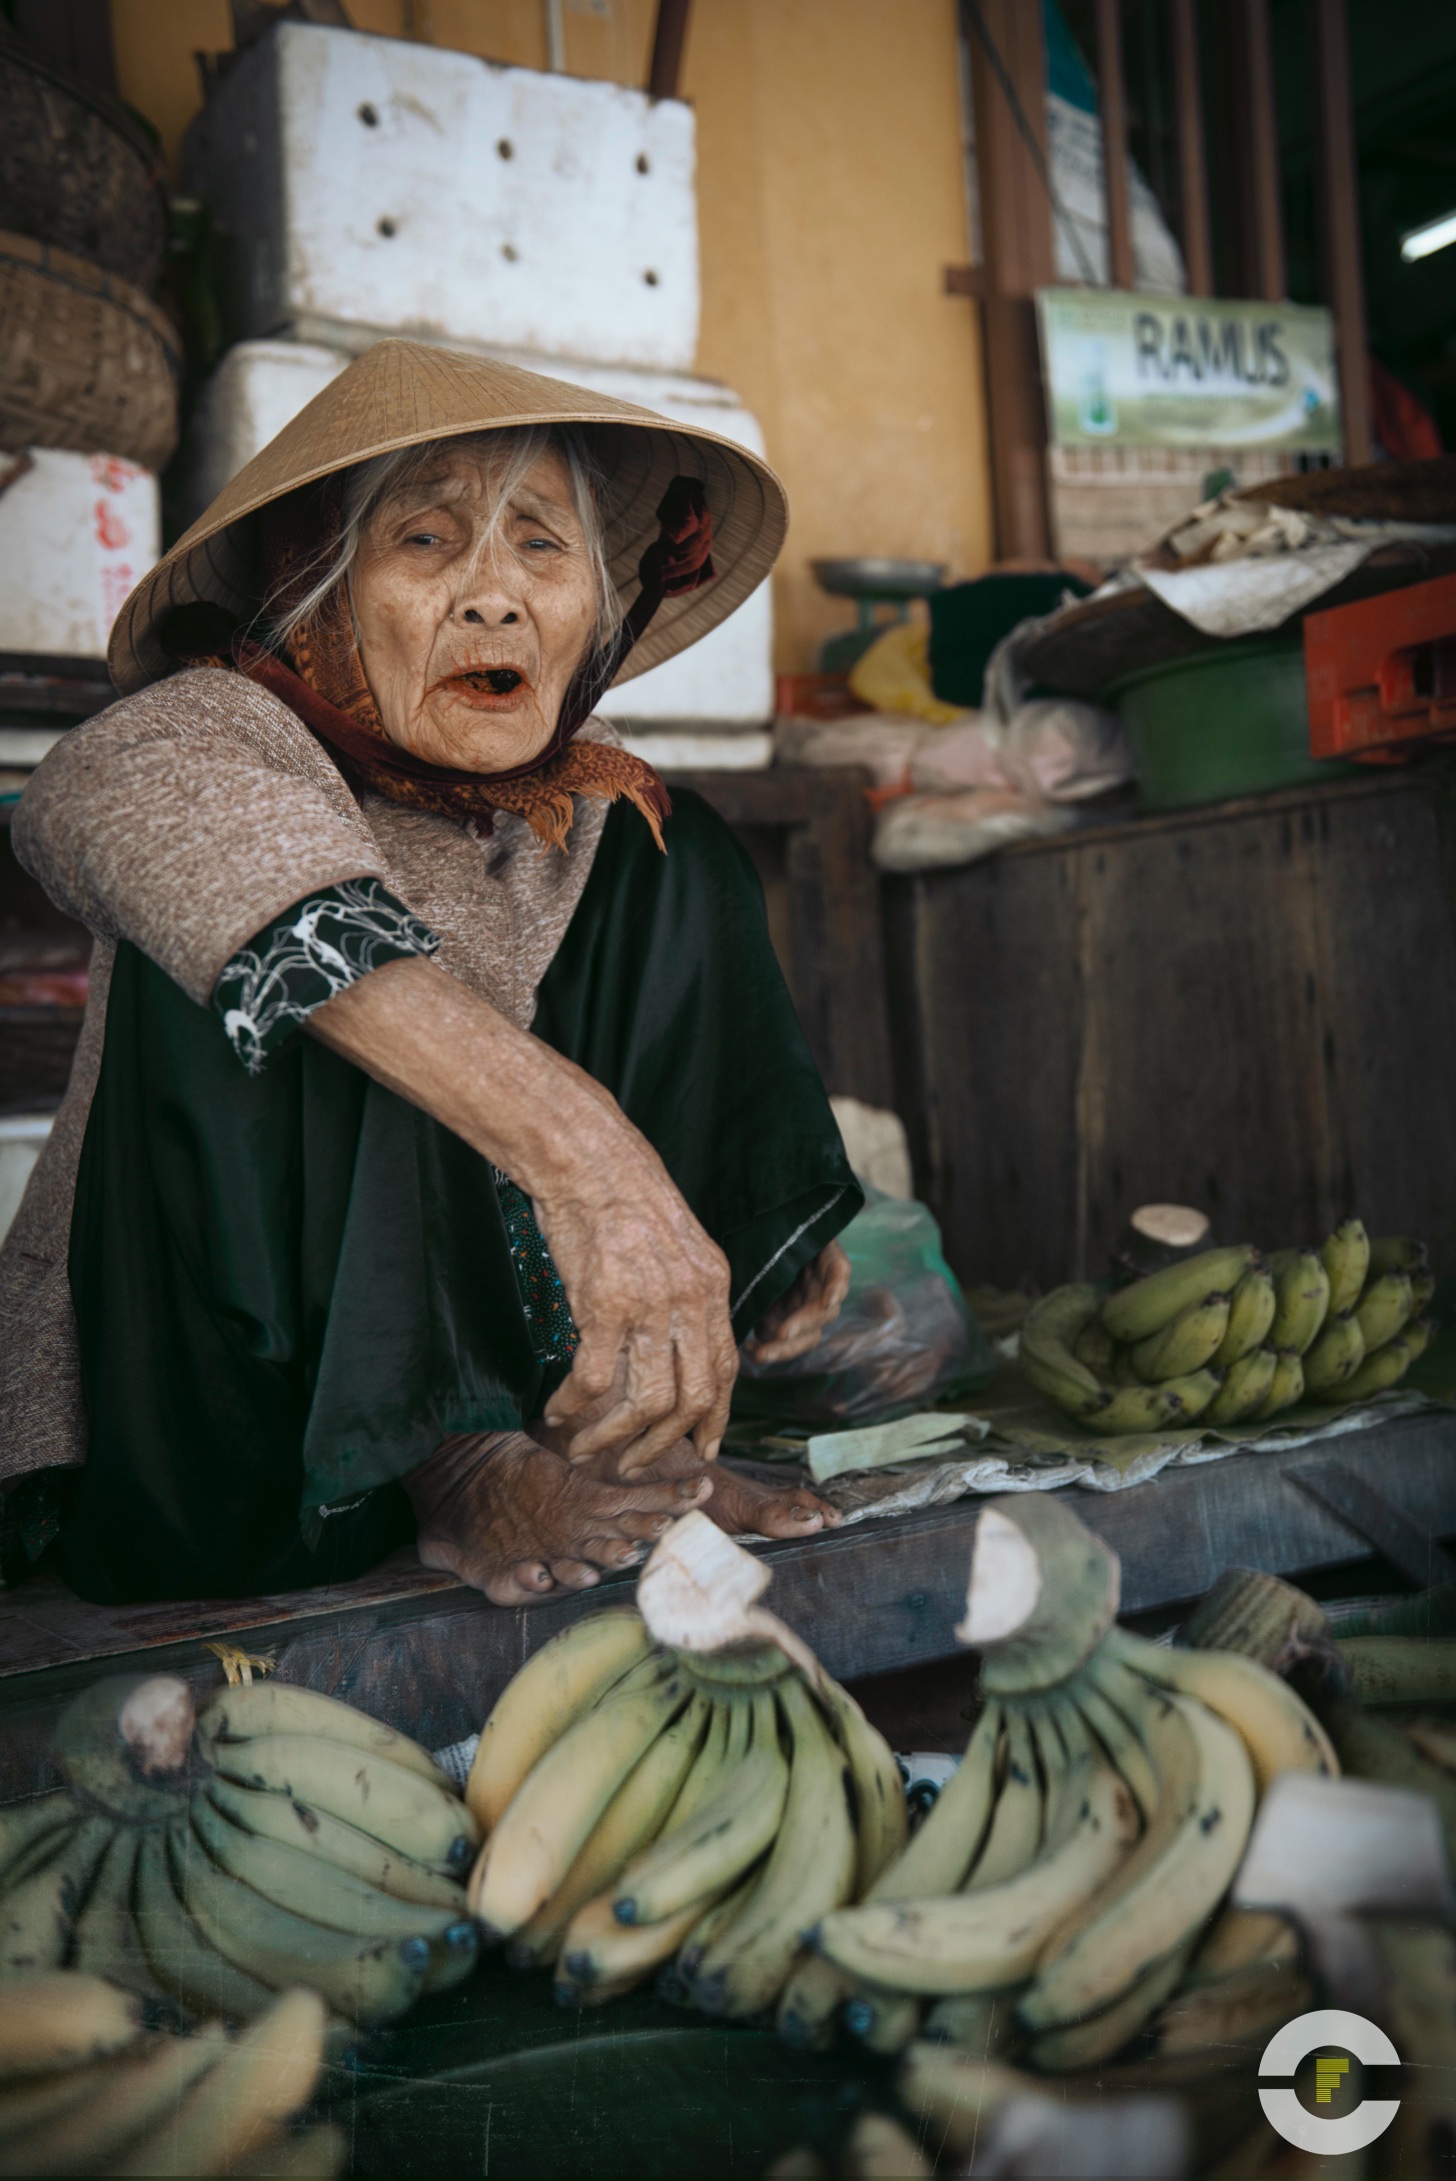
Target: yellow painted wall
(830, 198)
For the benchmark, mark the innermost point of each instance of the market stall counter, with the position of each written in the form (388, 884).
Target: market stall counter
(430, 1656)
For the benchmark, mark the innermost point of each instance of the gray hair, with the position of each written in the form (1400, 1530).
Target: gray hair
(519, 448)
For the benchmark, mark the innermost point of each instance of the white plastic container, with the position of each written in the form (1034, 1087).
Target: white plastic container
(22, 1139)
(724, 683)
(77, 534)
(373, 183)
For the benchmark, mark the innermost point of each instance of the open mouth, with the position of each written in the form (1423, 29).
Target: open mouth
(493, 681)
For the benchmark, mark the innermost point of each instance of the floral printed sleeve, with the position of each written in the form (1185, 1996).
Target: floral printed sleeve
(316, 949)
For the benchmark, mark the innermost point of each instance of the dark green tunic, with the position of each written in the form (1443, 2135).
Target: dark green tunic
(289, 1287)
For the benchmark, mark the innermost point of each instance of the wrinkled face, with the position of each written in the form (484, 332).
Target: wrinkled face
(469, 644)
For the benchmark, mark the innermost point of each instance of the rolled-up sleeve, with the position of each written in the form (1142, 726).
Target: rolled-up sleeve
(188, 819)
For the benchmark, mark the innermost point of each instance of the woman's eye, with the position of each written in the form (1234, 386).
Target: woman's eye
(540, 545)
(424, 537)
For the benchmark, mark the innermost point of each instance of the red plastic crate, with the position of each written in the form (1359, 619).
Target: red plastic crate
(1382, 673)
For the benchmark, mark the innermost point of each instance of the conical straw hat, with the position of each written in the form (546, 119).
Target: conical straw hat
(400, 393)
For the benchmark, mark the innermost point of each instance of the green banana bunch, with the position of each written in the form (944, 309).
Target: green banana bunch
(1302, 1298)
(199, 1862)
(1049, 1333)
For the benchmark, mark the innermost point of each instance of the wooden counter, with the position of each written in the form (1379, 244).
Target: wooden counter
(430, 1656)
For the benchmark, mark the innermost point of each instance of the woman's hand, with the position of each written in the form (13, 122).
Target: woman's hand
(647, 1287)
(796, 1322)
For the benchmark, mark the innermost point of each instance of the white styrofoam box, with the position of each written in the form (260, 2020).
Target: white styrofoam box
(725, 681)
(77, 534)
(374, 182)
(685, 750)
(22, 1139)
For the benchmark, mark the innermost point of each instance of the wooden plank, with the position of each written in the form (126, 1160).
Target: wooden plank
(1112, 112)
(870, 1599)
(1197, 234)
(1008, 91)
(1257, 136)
(669, 42)
(1338, 206)
(1251, 1008)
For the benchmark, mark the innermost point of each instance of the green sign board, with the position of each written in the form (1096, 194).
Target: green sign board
(1176, 371)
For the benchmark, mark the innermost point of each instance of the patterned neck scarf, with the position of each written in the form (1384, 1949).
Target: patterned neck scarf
(323, 680)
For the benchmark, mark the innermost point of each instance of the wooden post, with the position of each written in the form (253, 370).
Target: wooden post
(1008, 88)
(1257, 135)
(1338, 203)
(1192, 158)
(669, 39)
(1112, 109)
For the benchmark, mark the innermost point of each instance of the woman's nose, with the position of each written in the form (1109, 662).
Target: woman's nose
(481, 620)
(485, 597)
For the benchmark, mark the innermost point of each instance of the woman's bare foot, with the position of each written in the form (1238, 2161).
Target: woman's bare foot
(515, 1520)
(748, 1499)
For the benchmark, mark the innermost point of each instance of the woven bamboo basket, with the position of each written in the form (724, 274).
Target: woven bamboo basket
(77, 170)
(86, 360)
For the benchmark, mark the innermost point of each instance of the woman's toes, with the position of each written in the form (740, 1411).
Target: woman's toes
(527, 1581)
(574, 1574)
(613, 1552)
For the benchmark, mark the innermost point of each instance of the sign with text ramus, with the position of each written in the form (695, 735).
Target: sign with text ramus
(1181, 371)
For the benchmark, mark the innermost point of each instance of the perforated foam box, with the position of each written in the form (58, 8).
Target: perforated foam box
(374, 182)
(77, 533)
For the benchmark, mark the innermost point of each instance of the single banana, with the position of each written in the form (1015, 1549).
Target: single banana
(278, 1707)
(631, 1821)
(306, 1885)
(882, 1822)
(181, 1959)
(701, 1859)
(37, 1914)
(552, 1813)
(126, 2103)
(333, 1840)
(1397, 1253)
(1077, 2046)
(369, 1980)
(1015, 1831)
(810, 2003)
(106, 1941)
(600, 1950)
(1302, 1297)
(719, 1916)
(1178, 1401)
(1114, 1735)
(1285, 1388)
(405, 1812)
(1246, 1388)
(257, 2085)
(1336, 1355)
(883, 2022)
(1052, 1760)
(1168, 1885)
(983, 2022)
(1346, 1259)
(52, 2020)
(1418, 1336)
(810, 1870)
(1384, 1308)
(26, 1825)
(1133, 1313)
(1076, 1736)
(1251, 1313)
(557, 1684)
(1382, 1369)
(990, 1936)
(1048, 1332)
(1192, 1339)
(1276, 1726)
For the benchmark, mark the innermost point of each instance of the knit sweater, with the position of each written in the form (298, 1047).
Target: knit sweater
(186, 819)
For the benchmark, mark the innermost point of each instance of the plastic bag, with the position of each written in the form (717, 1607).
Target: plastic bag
(929, 832)
(894, 675)
(903, 1337)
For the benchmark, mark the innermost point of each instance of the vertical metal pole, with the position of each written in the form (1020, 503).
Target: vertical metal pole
(669, 38)
(1112, 110)
(1008, 84)
(1260, 149)
(1338, 203)
(1192, 157)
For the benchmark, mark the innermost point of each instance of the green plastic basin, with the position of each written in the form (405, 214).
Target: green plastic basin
(1228, 721)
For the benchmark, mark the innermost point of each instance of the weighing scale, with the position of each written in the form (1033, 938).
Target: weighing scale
(871, 581)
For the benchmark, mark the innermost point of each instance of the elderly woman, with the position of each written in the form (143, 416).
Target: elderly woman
(440, 1123)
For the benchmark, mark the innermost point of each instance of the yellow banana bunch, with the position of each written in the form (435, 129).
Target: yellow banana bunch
(85, 2091)
(656, 1806)
(280, 1838)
